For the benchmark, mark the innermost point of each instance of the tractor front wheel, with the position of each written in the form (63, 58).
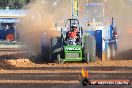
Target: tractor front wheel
(59, 60)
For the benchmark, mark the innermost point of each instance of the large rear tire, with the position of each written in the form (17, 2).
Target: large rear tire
(56, 47)
(90, 49)
(45, 47)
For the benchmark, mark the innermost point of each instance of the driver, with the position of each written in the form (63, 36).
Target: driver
(73, 32)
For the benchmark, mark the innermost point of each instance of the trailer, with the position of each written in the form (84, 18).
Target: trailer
(104, 30)
(9, 37)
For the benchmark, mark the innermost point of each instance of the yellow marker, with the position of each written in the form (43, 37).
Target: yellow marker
(75, 11)
(85, 73)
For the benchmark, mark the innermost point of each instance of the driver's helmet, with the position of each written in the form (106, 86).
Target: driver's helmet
(74, 27)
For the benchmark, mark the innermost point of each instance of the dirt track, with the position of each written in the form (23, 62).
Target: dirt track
(26, 73)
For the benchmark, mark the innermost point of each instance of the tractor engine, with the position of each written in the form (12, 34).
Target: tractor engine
(71, 41)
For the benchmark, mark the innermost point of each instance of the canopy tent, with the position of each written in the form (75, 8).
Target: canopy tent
(12, 13)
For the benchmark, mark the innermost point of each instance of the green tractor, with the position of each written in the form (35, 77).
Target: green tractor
(65, 49)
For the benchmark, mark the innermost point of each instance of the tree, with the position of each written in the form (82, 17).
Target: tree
(13, 4)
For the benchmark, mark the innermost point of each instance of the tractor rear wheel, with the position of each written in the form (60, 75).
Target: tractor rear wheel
(56, 47)
(90, 49)
(45, 47)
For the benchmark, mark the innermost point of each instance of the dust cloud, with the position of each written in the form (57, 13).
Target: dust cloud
(121, 10)
(42, 16)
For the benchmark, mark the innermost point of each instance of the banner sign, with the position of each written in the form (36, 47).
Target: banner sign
(75, 13)
(94, 5)
(9, 20)
(5, 13)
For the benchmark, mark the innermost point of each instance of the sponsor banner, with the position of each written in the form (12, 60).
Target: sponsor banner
(94, 4)
(75, 8)
(73, 49)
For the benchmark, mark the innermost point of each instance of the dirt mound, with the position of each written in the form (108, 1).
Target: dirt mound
(4, 64)
(25, 63)
(12, 60)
